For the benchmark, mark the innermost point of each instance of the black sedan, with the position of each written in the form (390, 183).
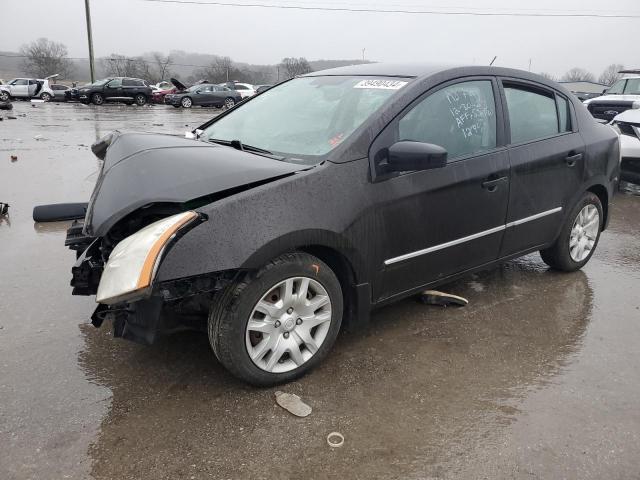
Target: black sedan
(205, 95)
(335, 193)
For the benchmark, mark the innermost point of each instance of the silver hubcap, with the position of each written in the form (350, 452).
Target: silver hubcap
(288, 324)
(229, 103)
(186, 102)
(584, 233)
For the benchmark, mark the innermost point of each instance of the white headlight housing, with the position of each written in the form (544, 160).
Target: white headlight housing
(133, 262)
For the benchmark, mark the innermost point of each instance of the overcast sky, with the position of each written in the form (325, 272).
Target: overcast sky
(261, 35)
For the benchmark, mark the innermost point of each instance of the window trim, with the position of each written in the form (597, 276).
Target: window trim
(529, 85)
(377, 175)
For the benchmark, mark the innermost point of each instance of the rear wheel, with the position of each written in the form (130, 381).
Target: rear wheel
(229, 102)
(276, 325)
(97, 99)
(140, 99)
(579, 236)
(46, 97)
(186, 102)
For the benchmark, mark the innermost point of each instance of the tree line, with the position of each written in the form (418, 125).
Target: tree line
(44, 57)
(608, 77)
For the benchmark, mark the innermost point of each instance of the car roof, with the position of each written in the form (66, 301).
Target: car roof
(411, 70)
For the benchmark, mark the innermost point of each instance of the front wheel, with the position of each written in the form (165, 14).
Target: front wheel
(229, 102)
(186, 102)
(276, 325)
(579, 236)
(97, 99)
(4, 96)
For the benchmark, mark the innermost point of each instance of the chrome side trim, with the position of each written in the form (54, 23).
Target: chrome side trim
(458, 241)
(435, 248)
(515, 223)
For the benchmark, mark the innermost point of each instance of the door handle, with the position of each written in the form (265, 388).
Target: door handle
(572, 158)
(493, 183)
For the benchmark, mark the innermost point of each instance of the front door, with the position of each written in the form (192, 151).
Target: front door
(113, 89)
(444, 221)
(20, 88)
(547, 159)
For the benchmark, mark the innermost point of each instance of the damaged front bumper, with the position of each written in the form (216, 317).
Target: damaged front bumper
(171, 306)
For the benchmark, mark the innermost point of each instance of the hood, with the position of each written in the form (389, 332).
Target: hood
(178, 84)
(629, 116)
(140, 169)
(613, 99)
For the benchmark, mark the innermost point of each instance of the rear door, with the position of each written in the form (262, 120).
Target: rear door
(443, 221)
(546, 153)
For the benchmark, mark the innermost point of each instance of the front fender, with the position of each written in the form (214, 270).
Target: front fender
(319, 207)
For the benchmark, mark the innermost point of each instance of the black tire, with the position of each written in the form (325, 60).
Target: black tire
(176, 106)
(558, 255)
(232, 307)
(46, 97)
(97, 99)
(186, 102)
(4, 96)
(140, 99)
(229, 102)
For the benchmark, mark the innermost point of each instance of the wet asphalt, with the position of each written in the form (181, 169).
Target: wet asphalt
(538, 377)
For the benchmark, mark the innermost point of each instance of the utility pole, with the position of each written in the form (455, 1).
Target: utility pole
(529, 64)
(363, 54)
(90, 38)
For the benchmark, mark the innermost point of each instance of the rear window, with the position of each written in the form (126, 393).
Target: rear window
(532, 113)
(241, 87)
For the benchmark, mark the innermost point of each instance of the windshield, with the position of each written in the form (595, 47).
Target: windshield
(633, 86)
(100, 82)
(305, 118)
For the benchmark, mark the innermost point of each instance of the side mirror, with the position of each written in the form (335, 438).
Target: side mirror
(405, 156)
(604, 92)
(195, 135)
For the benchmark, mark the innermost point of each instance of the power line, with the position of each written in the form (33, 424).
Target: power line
(399, 11)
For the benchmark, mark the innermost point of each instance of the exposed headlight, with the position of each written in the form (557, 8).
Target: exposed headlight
(133, 262)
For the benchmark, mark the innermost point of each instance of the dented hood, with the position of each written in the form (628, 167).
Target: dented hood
(140, 169)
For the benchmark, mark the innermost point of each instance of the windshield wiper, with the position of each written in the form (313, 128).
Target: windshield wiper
(238, 145)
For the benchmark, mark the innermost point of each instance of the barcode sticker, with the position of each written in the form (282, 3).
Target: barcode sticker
(381, 84)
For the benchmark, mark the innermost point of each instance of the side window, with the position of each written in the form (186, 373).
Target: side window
(617, 88)
(127, 82)
(633, 87)
(564, 114)
(241, 87)
(532, 113)
(460, 118)
(115, 83)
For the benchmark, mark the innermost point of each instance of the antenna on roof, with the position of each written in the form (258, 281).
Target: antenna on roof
(494, 59)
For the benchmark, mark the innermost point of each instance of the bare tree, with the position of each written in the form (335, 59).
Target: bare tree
(578, 75)
(162, 67)
(548, 76)
(44, 57)
(291, 67)
(121, 66)
(611, 74)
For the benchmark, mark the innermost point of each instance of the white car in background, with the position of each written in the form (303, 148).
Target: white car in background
(28, 88)
(627, 124)
(245, 90)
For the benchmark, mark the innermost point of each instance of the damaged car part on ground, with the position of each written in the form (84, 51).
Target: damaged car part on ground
(335, 193)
